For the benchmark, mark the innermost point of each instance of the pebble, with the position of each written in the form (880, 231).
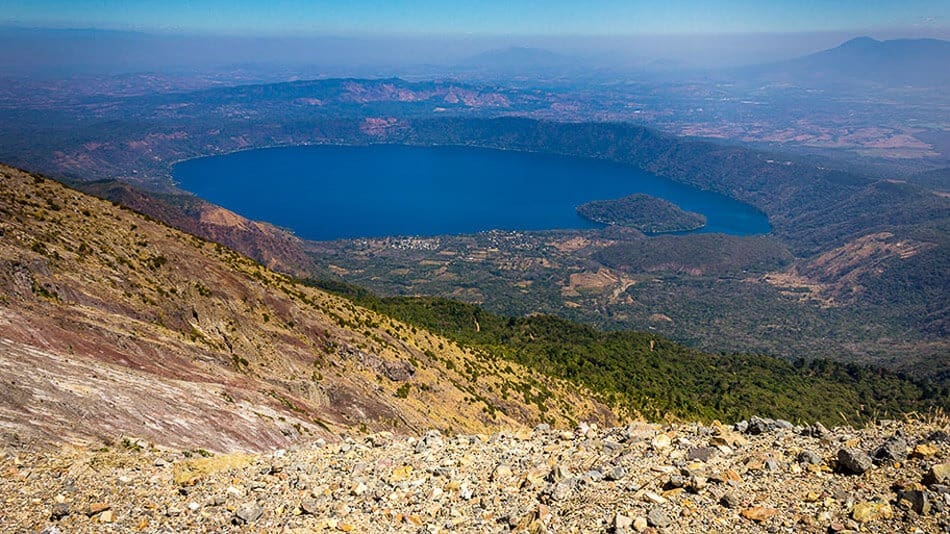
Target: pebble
(703, 454)
(622, 523)
(248, 512)
(501, 473)
(640, 524)
(60, 510)
(661, 441)
(658, 518)
(758, 513)
(615, 473)
(729, 500)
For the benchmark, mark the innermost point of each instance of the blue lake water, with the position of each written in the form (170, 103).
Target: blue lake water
(334, 192)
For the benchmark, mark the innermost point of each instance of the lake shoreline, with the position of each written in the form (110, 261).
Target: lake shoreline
(519, 190)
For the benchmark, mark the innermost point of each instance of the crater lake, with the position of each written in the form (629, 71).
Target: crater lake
(339, 192)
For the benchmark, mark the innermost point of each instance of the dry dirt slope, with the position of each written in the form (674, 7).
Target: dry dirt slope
(112, 324)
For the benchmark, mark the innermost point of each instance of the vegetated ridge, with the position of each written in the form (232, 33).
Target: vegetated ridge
(659, 379)
(648, 214)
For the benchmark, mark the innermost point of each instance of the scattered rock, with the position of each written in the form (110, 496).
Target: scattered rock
(938, 474)
(865, 512)
(661, 441)
(248, 513)
(809, 457)
(726, 476)
(615, 473)
(729, 500)
(892, 450)
(758, 426)
(95, 508)
(60, 510)
(621, 523)
(658, 518)
(640, 524)
(853, 461)
(758, 513)
(703, 454)
(924, 450)
(915, 499)
(520, 481)
(816, 430)
(501, 473)
(310, 506)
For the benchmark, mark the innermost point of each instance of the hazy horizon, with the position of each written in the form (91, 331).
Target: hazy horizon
(400, 36)
(34, 51)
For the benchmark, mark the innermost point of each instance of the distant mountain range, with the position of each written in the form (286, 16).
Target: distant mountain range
(895, 63)
(863, 60)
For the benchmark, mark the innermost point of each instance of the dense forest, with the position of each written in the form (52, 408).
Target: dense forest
(698, 254)
(648, 214)
(657, 378)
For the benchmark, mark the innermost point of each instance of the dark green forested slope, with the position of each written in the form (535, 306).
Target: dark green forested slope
(643, 212)
(658, 378)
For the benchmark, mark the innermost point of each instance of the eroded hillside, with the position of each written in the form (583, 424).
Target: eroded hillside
(112, 324)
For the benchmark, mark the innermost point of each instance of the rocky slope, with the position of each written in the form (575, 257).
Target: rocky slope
(129, 350)
(112, 324)
(276, 248)
(758, 476)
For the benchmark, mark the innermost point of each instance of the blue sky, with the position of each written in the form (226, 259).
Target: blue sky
(528, 17)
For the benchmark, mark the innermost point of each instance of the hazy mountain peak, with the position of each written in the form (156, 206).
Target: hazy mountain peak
(860, 42)
(895, 63)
